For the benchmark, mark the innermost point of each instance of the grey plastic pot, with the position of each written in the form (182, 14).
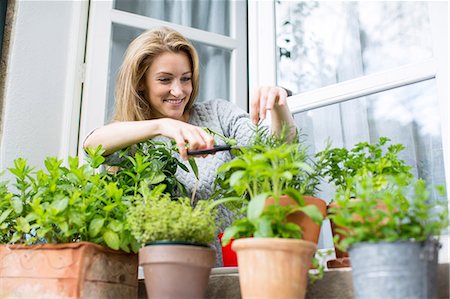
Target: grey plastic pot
(174, 271)
(403, 269)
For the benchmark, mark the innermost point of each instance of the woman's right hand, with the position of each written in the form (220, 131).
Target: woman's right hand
(184, 133)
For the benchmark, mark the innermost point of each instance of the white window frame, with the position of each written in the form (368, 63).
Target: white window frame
(262, 71)
(102, 16)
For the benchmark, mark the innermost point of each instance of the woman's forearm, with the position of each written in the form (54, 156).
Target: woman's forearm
(118, 135)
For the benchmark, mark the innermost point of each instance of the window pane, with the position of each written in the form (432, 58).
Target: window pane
(214, 67)
(321, 43)
(208, 15)
(407, 115)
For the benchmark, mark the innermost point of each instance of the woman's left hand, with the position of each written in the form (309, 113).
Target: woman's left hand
(271, 98)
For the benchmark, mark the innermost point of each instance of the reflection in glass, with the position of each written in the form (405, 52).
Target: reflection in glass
(321, 43)
(208, 15)
(214, 67)
(407, 115)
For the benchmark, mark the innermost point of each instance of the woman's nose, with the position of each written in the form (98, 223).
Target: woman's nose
(176, 89)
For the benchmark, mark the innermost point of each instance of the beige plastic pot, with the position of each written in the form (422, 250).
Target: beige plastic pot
(176, 271)
(273, 267)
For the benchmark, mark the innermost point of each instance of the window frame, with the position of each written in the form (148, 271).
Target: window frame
(102, 16)
(262, 68)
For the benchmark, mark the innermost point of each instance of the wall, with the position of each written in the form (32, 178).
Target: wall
(43, 82)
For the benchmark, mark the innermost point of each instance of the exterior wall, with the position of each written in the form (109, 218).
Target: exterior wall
(43, 73)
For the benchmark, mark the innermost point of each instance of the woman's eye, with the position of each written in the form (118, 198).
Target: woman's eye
(185, 79)
(164, 80)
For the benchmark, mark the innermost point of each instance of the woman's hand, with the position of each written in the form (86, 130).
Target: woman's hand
(272, 98)
(184, 133)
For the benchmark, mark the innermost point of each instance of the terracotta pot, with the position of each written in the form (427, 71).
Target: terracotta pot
(311, 230)
(342, 257)
(176, 271)
(273, 267)
(72, 270)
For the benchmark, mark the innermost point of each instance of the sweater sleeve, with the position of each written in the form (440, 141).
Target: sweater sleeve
(235, 122)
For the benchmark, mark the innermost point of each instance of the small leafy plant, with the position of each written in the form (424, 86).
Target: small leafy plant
(377, 160)
(271, 167)
(152, 161)
(156, 217)
(65, 204)
(401, 210)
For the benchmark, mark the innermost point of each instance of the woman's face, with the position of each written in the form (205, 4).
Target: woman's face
(168, 85)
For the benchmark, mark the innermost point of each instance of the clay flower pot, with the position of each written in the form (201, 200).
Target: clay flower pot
(342, 257)
(72, 270)
(176, 271)
(311, 230)
(273, 267)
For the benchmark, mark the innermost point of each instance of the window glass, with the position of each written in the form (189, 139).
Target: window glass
(407, 115)
(214, 67)
(208, 15)
(321, 43)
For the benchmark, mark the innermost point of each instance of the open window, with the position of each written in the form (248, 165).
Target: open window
(216, 28)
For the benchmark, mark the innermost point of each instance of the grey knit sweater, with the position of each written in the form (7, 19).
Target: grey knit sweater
(230, 121)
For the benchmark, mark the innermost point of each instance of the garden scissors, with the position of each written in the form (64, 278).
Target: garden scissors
(215, 149)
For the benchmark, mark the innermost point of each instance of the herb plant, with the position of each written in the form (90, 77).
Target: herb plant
(377, 160)
(152, 161)
(401, 210)
(270, 168)
(65, 204)
(156, 217)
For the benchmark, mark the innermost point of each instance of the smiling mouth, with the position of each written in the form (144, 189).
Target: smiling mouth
(174, 101)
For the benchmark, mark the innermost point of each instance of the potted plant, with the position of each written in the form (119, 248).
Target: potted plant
(340, 165)
(273, 260)
(177, 257)
(394, 249)
(60, 227)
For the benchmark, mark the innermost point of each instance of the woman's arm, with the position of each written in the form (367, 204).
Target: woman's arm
(273, 98)
(118, 135)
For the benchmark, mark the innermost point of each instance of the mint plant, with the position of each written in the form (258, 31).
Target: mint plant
(65, 204)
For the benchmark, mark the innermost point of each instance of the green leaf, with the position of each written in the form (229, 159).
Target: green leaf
(17, 205)
(24, 226)
(115, 225)
(95, 226)
(236, 176)
(256, 205)
(313, 212)
(5, 215)
(60, 205)
(193, 166)
(112, 239)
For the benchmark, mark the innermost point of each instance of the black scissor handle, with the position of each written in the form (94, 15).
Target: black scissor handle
(216, 148)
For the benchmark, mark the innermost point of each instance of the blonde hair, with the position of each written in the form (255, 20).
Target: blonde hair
(131, 104)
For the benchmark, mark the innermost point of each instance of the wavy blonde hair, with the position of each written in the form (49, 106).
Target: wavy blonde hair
(131, 104)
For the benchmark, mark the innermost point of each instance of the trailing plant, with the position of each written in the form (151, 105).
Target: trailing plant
(401, 210)
(377, 160)
(154, 216)
(62, 204)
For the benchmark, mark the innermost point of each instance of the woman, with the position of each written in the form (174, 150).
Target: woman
(156, 91)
